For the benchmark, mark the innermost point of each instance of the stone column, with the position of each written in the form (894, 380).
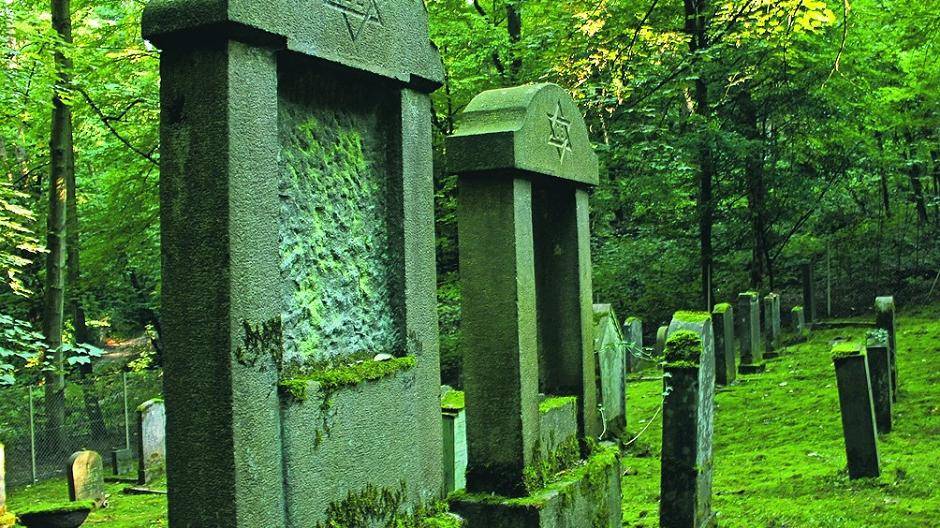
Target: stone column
(749, 333)
(726, 369)
(297, 241)
(633, 337)
(688, 417)
(858, 416)
(884, 319)
(772, 325)
(879, 371)
(809, 292)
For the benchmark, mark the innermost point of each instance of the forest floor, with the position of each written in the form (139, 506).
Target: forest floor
(779, 459)
(779, 455)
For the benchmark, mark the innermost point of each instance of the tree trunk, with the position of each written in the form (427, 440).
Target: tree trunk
(696, 25)
(514, 27)
(756, 189)
(915, 169)
(62, 153)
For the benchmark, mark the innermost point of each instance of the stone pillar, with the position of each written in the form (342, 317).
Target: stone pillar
(524, 164)
(879, 371)
(772, 325)
(633, 337)
(455, 440)
(798, 319)
(858, 416)
(726, 369)
(749, 333)
(809, 292)
(688, 418)
(884, 319)
(298, 243)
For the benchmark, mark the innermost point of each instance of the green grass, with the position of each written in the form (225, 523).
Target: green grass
(779, 455)
(123, 511)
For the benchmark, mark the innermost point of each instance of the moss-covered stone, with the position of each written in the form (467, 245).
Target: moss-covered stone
(453, 400)
(683, 348)
(846, 349)
(554, 402)
(688, 316)
(56, 507)
(330, 380)
(721, 308)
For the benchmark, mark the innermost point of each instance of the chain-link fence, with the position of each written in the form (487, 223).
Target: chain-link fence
(100, 415)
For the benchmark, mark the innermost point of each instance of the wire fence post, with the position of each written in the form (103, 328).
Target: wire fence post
(32, 433)
(127, 423)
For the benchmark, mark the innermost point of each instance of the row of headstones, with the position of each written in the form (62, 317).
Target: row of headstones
(85, 469)
(867, 380)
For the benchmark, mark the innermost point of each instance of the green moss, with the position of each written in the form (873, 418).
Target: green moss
(846, 349)
(554, 402)
(683, 347)
(56, 507)
(452, 400)
(547, 469)
(687, 316)
(721, 308)
(796, 309)
(373, 506)
(143, 406)
(333, 379)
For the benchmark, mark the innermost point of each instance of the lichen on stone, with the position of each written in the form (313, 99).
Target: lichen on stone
(683, 349)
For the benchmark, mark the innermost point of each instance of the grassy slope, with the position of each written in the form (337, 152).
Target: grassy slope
(124, 511)
(779, 455)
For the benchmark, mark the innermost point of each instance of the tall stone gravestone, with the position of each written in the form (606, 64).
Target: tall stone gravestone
(749, 333)
(85, 475)
(688, 423)
(151, 441)
(772, 325)
(611, 360)
(726, 369)
(884, 319)
(879, 372)
(298, 246)
(809, 292)
(633, 338)
(524, 165)
(455, 439)
(858, 415)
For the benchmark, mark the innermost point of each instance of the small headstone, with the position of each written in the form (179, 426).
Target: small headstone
(884, 319)
(151, 450)
(122, 461)
(610, 357)
(688, 422)
(879, 371)
(633, 339)
(748, 330)
(726, 369)
(809, 292)
(85, 474)
(660, 341)
(772, 325)
(455, 439)
(798, 320)
(858, 415)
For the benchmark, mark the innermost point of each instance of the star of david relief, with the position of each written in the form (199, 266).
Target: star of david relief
(357, 14)
(561, 132)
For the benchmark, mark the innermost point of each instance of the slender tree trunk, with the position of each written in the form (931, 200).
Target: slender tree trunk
(62, 153)
(514, 27)
(756, 189)
(883, 176)
(914, 172)
(696, 25)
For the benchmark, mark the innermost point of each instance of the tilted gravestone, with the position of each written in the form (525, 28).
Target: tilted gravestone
(772, 325)
(454, 424)
(885, 319)
(726, 369)
(297, 211)
(749, 332)
(858, 415)
(809, 292)
(879, 372)
(633, 338)
(610, 357)
(524, 164)
(85, 475)
(688, 423)
(151, 441)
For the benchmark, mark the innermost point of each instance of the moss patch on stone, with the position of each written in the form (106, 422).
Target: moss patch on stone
(683, 349)
(846, 349)
(721, 308)
(453, 400)
(373, 506)
(555, 402)
(56, 507)
(547, 469)
(332, 379)
(687, 316)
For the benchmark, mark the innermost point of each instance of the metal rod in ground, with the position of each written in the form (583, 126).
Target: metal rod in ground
(127, 425)
(32, 433)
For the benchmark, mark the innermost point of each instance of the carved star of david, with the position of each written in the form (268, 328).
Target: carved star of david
(357, 14)
(561, 132)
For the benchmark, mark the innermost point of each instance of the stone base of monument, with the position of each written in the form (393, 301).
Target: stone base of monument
(752, 368)
(771, 355)
(588, 495)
